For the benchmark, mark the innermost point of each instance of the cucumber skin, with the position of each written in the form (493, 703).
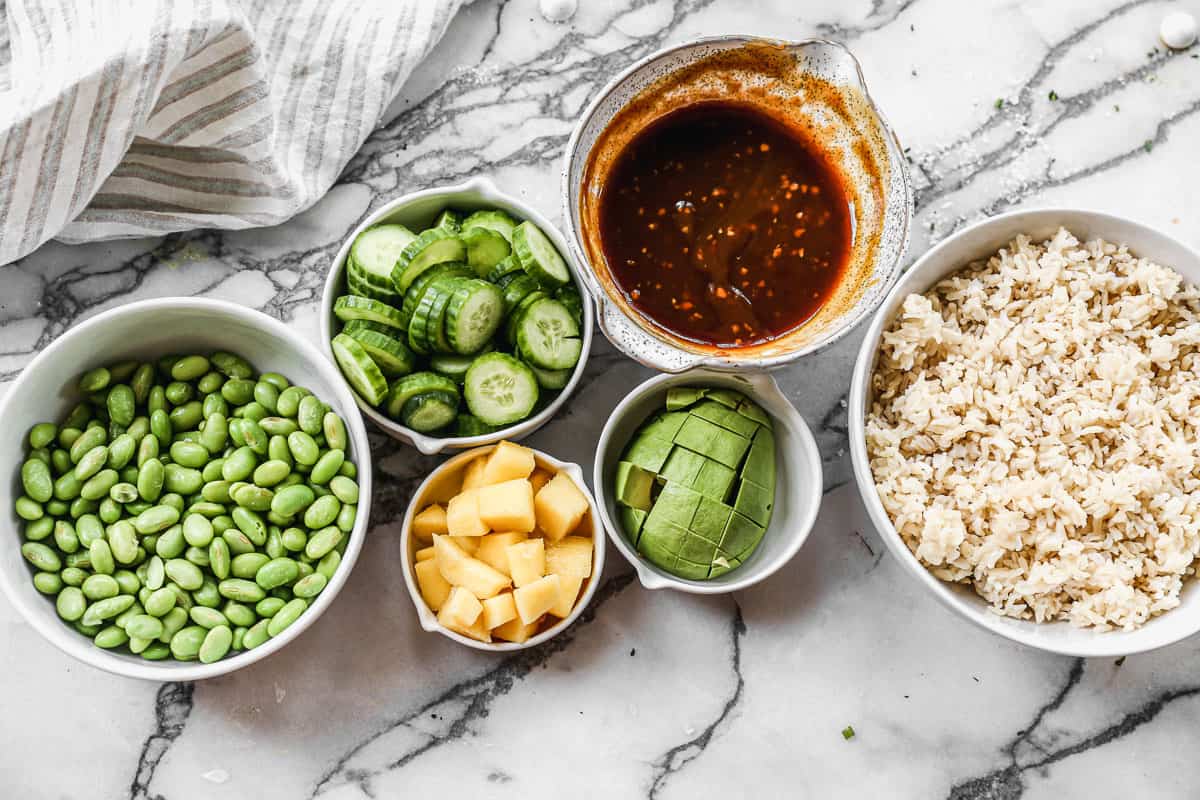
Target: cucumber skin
(415, 384)
(349, 348)
(351, 306)
(393, 350)
(476, 402)
(404, 273)
(412, 297)
(462, 295)
(514, 319)
(529, 238)
(415, 404)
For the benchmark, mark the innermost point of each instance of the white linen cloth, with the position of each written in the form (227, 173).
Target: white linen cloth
(126, 118)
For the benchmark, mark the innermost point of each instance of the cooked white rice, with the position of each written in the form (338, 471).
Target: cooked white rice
(1034, 431)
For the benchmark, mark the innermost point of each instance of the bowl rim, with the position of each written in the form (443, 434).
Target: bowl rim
(920, 277)
(426, 616)
(760, 383)
(431, 445)
(571, 153)
(79, 647)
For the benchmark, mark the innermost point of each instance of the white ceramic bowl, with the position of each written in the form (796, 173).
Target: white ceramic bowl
(431, 490)
(970, 244)
(798, 477)
(417, 211)
(45, 391)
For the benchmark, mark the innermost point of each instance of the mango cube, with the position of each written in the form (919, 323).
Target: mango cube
(434, 588)
(507, 462)
(463, 571)
(431, 521)
(462, 515)
(570, 557)
(568, 592)
(540, 478)
(515, 631)
(492, 549)
(559, 507)
(535, 599)
(463, 613)
(469, 544)
(506, 506)
(424, 554)
(499, 610)
(473, 474)
(526, 561)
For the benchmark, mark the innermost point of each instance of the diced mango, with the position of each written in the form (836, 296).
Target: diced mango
(429, 522)
(506, 506)
(434, 588)
(470, 573)
(469, 544)
(559, 507)
(570, 557)
(568, 593)
(462, 515)
(463, 613)
(515, 630)
(424, 554)
(473, 474)
(540, 478)
(526, 561)
(535, 599)
(508, 462)
(492, 549)
(499, 610)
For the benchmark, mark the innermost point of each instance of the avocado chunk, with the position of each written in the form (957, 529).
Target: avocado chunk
(683, 466)
(634, 485)
(727, 418)
(680, 397)
(760, 461)
(648, 452)
(631, 521)
(702, 436)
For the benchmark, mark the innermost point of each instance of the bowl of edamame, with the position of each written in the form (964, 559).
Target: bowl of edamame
(184, 486)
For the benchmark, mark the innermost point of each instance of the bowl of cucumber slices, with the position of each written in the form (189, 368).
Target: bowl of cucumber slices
(457, 317)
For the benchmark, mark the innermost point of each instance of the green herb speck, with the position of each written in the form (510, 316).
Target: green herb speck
(999, 102)
(848, 732)
(1053, 95)
(1148, 145)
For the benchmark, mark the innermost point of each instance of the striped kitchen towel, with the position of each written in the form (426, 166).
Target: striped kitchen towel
(127, 118)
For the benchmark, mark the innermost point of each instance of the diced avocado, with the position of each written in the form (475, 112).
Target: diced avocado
(690, 570)
(647, 451)
(683, 466)
(661, 546)
(713, 441)
(754, 502)
(726, 397)
(760, 462)
(631, 522)
(725, 417)
(633, 485)
(714, 480)
(666, 425)
(710, 519)
(676, 505)
(748, 408)
(683, 396)
(722, 564)
(698, 549)
(741, 534)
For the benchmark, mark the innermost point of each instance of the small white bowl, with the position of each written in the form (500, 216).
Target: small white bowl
(798, 477)
(45, 391)
(416, 211)
(429, 491)
(971, 244)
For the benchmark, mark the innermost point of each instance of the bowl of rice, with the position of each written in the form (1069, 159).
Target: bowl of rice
(1025, 430)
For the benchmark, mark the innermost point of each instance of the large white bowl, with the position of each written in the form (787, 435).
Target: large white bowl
(798, 478)
(416, 211)
(45, 391)
(970, 244)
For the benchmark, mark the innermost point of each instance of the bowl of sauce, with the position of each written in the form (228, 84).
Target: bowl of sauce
(740, 202)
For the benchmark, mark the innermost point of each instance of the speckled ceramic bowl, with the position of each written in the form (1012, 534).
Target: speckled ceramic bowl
(822, 90)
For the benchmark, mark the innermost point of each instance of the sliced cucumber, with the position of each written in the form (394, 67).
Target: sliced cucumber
(471, 425)
(412, 385)
(391, 355)
(364, 289)
(499, 389)
(449, 219)
(517, 290)
(452, 365)
(485, 249)
(492, 219)
(429, 411)
(412, 297)
(552, 379)
(350, 306)
(538, 255)
(548, 335)
(376, 250)
(436, 293)
(367, 325)
(569, 296)
(473, 315)
(507, 266)
(361, 372)
(435, 323)
(514, 317)
(434, 246)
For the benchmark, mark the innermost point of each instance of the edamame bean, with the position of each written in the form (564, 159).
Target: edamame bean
(322, 542)
(344, 489)
(197, 530)
(188, 454)
(141, 381)
(322, 512)
(239, 465)
(39, 529)
(28, 509)
(121, 450)
(42, 435)
(73, 576)
(110, 637)
(238, 542)
(267, 396)
(171, 543)
(48, 582)
(107, 608)
(148, 448)
(197, 555)
(304, 448)
(251, 524)
(335, 431)
(255, 437)
(291, 500)
(37, 481)
(276, 572)
(79, 507)
(257, 634)
(327, 466)
(185, 417)
(274, 545)
(242, 590)
(65, 537)
(238, 614)
(309, 586)
(144, 626)
(150, 479)
(247, 565)
(159, 602)
(190, 368)
(214, 436)
(186, 644)
(253, 411)
(155, 573)
(207, 617)
(41, 556)
(182, 480)
(70, 604)
(122, 541)
(92, 437)
(88, 466)
(269, 473)
(214, 404)
(290, 612)
(278, 426)
(216, 644)
(156, 519)
(121, 404)
(310, 415)
(238, 391)
(219, 558)
(178, 393)
(100, 587)
(184, 573)
(94, 380)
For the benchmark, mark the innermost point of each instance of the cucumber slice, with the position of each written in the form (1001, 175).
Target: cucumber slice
(436, 293)
(390, 354)
(361, 372)
(449, 219)
(473, 315)
(552, 379)
(429, 411)
(367, 325)
(471, 425)
(434, 246)
(569, 296)
(499, 389)
(506, 266)
(518, 289)
(363, 289)
(435, 323)
(548, 335)
(412, 385)
(350, 306)
(492, 219)
(538, 256)
(412, 298)
(376, 250)
(485, 249)
(514, 318)
(452, 365)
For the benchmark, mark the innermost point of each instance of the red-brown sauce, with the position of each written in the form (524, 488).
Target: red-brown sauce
(724, 226)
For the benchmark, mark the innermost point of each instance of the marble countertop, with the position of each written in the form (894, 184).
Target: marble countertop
(656, 694)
